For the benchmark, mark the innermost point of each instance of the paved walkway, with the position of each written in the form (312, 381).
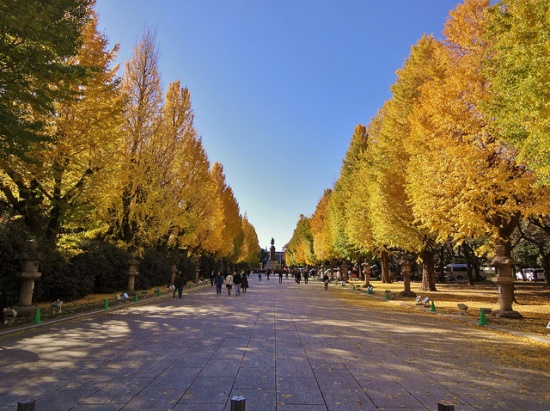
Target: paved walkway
(281, 346)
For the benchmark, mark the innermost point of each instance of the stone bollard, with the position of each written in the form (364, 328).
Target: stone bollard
(505, 281)
(406, 264)
(132, 264)
(30, 260)
(25, 406)
(442, 406)
(238, 403)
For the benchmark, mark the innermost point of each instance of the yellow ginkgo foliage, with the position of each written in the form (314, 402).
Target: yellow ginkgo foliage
(463, 182)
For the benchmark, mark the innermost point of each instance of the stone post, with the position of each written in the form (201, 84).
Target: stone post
(132, 272)
(366, 272)
(505, 282)
(29, 264)
(197, 269)
(345, 269)
(406, 273)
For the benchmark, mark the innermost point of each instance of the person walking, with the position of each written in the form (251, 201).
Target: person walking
(306, 276)
(229, 283)
(237, 281)
(212, 276)
(326, 281)
(244, 284)
(178, 285)
(218, 280)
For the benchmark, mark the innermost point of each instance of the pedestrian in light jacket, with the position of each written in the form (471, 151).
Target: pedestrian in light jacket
(229, 283)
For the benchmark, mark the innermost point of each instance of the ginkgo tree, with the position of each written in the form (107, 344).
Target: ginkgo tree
(323, 248)
(359, 224)
(385, 168)
(463, 181)
(37, 47)
(299, 250)
(135, 209)
(231, 228)
(192, 215)
(518, 32)
(64, 184)
(338, 210)
(396, 225)
(249, 253)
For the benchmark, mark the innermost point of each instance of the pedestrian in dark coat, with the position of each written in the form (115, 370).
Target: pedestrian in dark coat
(178, 285)
(237, 281)
(244, 284)
(218, 280)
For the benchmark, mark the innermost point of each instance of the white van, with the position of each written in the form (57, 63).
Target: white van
(456, 272)
(459, 272)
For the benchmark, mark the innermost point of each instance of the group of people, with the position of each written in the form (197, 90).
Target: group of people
(237, 280)
(298, 273)
(179, 283)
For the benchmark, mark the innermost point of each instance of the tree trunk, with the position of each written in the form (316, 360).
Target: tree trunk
(384, 262)
(428, 270)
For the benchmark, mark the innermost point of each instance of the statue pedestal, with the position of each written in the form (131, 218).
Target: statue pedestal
(272, 265)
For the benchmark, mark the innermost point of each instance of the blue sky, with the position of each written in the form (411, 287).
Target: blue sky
(278, 86)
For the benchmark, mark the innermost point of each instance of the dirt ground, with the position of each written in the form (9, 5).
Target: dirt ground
(533, 301)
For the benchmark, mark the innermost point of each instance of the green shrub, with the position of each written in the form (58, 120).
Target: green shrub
(103, 263)
(154, 270)
(12, 243)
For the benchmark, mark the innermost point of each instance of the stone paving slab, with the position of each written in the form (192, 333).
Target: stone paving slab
(284, 347)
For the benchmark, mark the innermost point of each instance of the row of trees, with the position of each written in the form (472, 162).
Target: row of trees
(88, 154)
(459, 155)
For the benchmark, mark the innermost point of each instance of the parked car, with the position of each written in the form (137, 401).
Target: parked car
(519, 275)
(459, 272)
(534, 274)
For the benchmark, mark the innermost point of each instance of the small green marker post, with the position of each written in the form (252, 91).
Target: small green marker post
(158, 292)
(136, 298)
(37, 319)
(482, 319)
(432, 308)
(387, 294)
(106, 304)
